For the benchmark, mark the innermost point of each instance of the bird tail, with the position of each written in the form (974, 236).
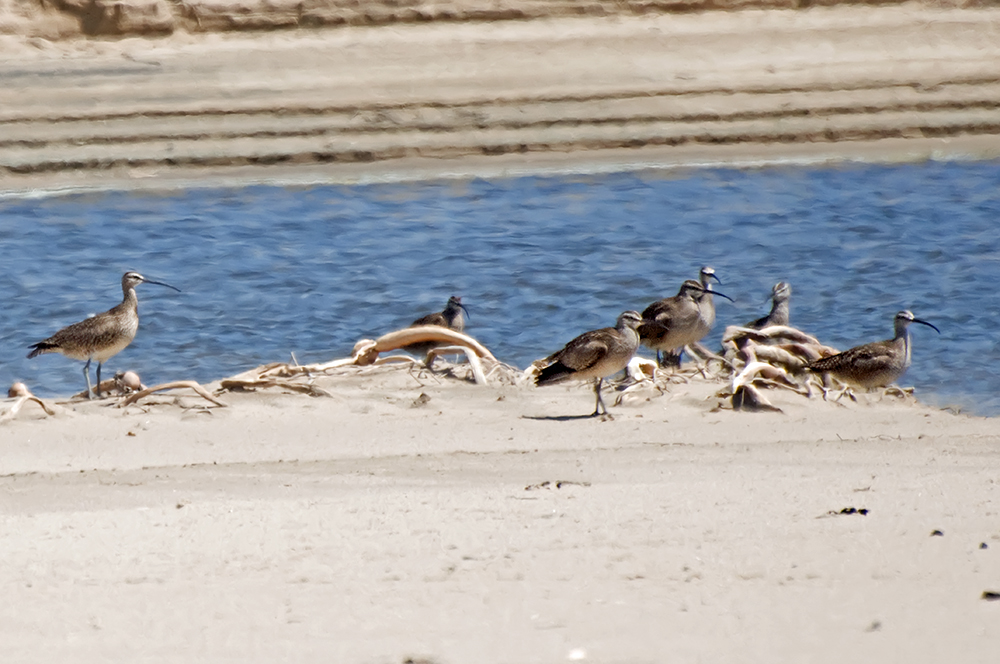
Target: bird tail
(552, 374)
(41, 348)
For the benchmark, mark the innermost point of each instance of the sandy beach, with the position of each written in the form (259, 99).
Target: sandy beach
(414, 516)
(486, 523)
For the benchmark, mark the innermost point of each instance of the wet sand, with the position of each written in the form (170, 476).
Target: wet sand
(490, 524)
(434, 99)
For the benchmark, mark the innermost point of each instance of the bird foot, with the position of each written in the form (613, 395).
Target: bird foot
(605, 416)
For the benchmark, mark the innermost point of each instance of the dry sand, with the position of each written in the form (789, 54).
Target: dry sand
(487, 526)
(484, 525)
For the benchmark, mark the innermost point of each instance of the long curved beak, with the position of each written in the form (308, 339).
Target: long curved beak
(717, 280)
(715, 292)
(923, 322)
(465, 310)
(159, 283)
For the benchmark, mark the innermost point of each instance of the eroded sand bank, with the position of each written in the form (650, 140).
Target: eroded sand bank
(902, 82)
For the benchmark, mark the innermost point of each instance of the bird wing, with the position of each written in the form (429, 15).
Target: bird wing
(661, 317)
(586, 350)
(860, 357)
(431, 319)
(96, 331)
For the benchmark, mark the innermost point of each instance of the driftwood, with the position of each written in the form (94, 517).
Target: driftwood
(474, 362)
(424, 333)
(23, 395)
(175, 385)
(769, 334)
(749, 398)
(639, 369)
(366, 354)
(774, 356)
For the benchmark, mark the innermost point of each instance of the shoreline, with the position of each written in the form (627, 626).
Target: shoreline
(594, 162)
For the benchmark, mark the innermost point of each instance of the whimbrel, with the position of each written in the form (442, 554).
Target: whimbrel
(780, 295)
(594, 355)
(876, 364)
(706, 305)
(102, 336)
(674, 322)
(450, 318)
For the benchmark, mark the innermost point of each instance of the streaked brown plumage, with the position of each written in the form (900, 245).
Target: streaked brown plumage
(102, 336)
(876, 364)
(670, 324)
(450, 318)
(780, 295)
(594, 355)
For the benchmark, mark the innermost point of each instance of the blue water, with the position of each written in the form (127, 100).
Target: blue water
(266, 271)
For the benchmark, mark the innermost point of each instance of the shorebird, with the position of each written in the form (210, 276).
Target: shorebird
(706, 305)
(450, 318)
(102, 336)
(780, 295)
(876, 364)
(594, 355)
(670, 324)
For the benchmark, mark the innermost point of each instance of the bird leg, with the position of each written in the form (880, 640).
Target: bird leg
(98, 380)
(600, 402)
(86, 374)
(669, 359)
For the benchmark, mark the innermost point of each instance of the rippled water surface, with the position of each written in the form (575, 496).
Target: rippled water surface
(270, 270)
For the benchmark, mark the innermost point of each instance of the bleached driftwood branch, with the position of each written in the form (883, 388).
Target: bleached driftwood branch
(175, 385)
(23, 395)
(366, 353)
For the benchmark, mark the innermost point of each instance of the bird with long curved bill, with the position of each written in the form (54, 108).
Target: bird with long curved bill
(102, 336)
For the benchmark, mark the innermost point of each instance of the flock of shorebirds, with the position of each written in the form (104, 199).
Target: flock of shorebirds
(667, 326)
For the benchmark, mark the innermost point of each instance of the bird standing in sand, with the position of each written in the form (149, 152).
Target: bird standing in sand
(780, 294)
(670, 324)
(450, 318)
(876, 364)
(102, 336)
(594, 355)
